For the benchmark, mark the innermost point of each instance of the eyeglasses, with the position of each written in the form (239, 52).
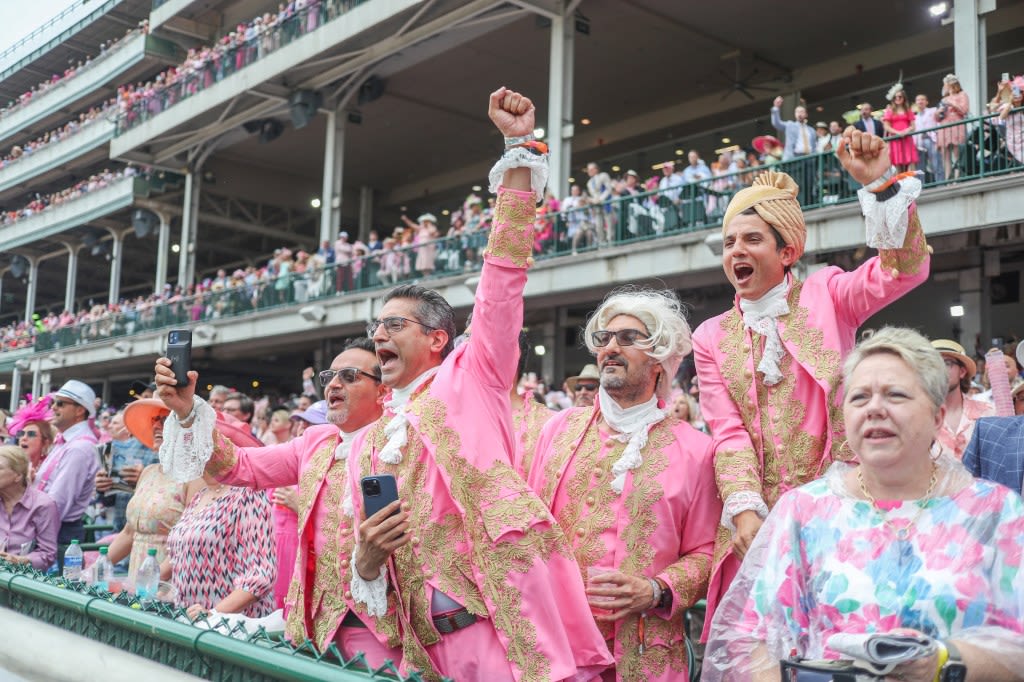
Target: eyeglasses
(1019, 398)
(951, 363)
(26, 434)
(392, 325)
(624, 337)
(586, 387)
(349, 375)
(60, 403)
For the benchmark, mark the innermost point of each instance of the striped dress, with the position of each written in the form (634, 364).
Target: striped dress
(224, 546)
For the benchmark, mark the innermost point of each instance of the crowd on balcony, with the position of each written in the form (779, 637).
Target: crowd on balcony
(74, 69)
(43, 202)
(203, 66)
(27, 149)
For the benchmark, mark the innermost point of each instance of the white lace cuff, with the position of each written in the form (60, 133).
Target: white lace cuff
(373, 593)
(521, 157)
(886, 221)
(741, 502)
(185, 451)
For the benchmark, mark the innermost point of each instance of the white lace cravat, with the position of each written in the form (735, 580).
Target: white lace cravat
(185, 451)
(395, 431)
(762, 316)
(341, 453)
(633, 424)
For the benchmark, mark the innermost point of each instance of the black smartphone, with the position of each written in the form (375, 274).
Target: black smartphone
(179, 352)
(378, 492)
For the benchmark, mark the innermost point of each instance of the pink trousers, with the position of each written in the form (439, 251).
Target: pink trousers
(354, 640)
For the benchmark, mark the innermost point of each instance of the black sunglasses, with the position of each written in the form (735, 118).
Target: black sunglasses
(586, 387)
(624, 337)
(349, 375)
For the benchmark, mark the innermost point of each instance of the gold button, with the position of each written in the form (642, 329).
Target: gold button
(610, 443)
(598, 472)
(580, 532)
(776, 417)
(590, 500)
(344, 563)
(747, 373)
(348, 595)
(415, 540)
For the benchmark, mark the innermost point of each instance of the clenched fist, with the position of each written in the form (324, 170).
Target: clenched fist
(512, 112)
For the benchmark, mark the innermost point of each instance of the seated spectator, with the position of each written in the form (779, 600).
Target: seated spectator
(895, 542)
(158, 500)
(28, 517)
(221, 552)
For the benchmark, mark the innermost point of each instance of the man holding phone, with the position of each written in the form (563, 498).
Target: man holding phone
(316, 605)
(471, 577)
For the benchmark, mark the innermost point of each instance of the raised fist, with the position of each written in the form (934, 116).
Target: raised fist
(512, 113)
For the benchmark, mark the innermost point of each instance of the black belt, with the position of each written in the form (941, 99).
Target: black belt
(448, 623)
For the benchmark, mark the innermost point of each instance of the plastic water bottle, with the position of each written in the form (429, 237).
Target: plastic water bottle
(73, 561)
(147, 579)
(104, 571)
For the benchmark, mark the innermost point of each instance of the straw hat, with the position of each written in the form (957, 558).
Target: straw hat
(952, 349)
(139, 416)
(589, 372)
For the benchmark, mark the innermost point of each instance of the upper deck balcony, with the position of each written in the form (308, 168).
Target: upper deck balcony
(126, 61)
(87, 145)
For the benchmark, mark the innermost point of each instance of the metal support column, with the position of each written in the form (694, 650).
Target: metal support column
(30, 293)
(334, 164)
(72, 278)
(969, 49)
(560, 116)
(189, 223)
(15, 388)
(365, 212)
(162, 253)
(116, 250)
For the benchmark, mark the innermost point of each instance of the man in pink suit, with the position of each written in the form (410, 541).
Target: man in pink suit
(471, 577)
(770, 367)
(634, 488)
(316, 605)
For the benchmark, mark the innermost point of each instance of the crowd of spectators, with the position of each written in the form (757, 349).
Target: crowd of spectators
(42, 202)
(23, 151)
(74, 69)
(203, 66)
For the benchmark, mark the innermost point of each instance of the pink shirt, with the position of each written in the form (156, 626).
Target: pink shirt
(33, 519)
(956, 442)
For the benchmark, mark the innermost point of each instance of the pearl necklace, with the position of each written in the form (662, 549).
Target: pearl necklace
(901, 533)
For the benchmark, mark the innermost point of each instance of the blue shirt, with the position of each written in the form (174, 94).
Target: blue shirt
(793, 136)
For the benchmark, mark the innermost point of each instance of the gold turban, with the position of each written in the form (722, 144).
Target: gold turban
(773, 196)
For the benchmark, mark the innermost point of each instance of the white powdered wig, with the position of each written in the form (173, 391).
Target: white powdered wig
(662, 314)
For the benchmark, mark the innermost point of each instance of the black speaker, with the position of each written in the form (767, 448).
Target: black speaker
(371, 89)
(19, 266)
(144, 222)
(302, 106)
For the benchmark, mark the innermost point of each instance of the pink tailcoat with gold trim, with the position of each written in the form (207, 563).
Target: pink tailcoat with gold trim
(662, 525)
(479, 534)
(770, 439)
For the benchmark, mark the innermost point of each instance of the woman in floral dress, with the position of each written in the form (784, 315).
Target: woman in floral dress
(899, 541)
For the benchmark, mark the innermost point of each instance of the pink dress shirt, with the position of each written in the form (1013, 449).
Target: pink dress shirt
(33, 518)
(956, 443)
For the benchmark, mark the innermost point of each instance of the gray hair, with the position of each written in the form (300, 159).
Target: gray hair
(662, 313)
(220, 390)
(431, 309)
(910, 347)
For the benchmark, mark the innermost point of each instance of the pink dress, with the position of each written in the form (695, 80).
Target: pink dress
(662, 525)
(770, 439)
(956, 110)
(225, 546)
(902, 150)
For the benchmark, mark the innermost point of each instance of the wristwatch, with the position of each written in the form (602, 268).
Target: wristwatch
(953, 670)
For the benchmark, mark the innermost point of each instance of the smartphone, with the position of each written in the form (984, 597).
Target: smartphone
(179, 352)
(1005, 78)
(378, 492)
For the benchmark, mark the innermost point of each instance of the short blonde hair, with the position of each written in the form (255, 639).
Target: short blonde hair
(17, 460)
(910, 347)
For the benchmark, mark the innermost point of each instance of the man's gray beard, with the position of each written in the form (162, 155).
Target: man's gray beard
(620, 389)
(337, 417)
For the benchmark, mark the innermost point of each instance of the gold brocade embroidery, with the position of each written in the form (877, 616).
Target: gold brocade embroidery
(738, 470)
(472, 488)
(529, 421)
(512, 234)
(911, 257)
(562, 449)
(223, 459)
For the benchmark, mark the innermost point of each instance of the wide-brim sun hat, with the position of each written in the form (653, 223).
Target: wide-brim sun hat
(952, 349)
(761, 142)
(588, 372)
(139, 416)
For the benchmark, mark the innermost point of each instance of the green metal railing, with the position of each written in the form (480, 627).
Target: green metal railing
(642, 217)
(164, 634)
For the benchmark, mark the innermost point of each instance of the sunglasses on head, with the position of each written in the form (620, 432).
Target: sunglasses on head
(348, 375)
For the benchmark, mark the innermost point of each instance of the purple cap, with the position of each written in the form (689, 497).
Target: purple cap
(315, 415)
